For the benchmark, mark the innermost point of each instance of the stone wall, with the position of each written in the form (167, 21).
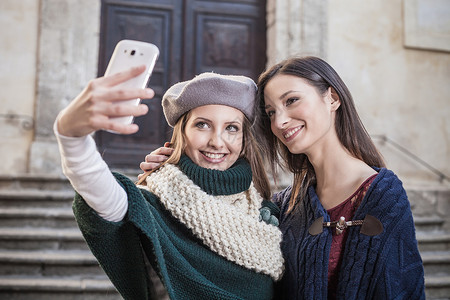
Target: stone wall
(296, 27)
(400, 85)
(401, 91)
(18, 39)
(68, 51)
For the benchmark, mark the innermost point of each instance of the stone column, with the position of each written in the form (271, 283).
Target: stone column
(296, 27)
(67, 60)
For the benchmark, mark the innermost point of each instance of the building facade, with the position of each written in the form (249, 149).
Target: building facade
(392, 54)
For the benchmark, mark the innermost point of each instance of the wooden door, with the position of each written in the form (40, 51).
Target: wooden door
(193, 36)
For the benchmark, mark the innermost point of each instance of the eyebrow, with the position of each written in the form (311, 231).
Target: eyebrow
(209, 120)
(287, 93)
(201, 119)
(282, 96)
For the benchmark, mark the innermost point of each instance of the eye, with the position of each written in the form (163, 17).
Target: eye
(201, 125)
(232, 128)
(270, 113)
(289, 101)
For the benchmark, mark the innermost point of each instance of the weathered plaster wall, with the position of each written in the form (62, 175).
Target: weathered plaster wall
(402, 93)
(68, 51)
(18, 40)
(296, 27)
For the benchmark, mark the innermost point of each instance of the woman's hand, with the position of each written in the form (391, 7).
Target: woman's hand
(155, 158)
(100, 101)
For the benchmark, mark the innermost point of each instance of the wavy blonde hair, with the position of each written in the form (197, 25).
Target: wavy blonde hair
(251, 151)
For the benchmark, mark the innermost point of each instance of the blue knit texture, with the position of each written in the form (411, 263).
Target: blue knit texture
(386, 266)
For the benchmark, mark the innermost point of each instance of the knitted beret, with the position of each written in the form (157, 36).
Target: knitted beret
(210, 88)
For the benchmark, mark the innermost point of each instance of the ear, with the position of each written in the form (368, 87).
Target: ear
(334, 99)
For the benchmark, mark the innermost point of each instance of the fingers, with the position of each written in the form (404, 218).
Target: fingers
(142, 177)
(145, 166)
(103, 118)
(159, 155)
(123, 109)
(114, 94)
(100, 102)
(156, 158)
(108, 88)
(121, 128)
(120, 77)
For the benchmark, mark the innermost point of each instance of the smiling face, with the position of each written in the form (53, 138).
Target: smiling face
(214, 136)
(300, 117)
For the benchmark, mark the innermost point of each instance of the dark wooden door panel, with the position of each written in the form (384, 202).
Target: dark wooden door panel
(225, 37)
(156, 22)
(193, 36)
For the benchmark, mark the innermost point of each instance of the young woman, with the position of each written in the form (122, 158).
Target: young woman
(309, 120)
(348, 230)
(197, 218)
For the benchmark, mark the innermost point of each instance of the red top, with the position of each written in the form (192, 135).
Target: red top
(347, 210)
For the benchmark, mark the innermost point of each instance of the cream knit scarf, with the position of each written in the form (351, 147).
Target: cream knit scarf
(227, 224)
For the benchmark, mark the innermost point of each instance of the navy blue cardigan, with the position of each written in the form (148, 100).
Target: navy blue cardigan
(386, 266)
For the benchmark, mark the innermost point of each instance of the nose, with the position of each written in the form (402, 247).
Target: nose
(216, 140)
(281, 119)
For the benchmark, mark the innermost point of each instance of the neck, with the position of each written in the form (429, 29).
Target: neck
(328, 165)
(338, 174)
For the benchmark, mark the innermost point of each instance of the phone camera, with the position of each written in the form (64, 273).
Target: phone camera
(133, 52)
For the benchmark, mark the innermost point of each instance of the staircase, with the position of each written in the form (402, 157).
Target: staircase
(431, 209)
(42, 252)
(43, 255)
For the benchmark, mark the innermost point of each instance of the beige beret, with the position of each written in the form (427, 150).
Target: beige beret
(210, 88)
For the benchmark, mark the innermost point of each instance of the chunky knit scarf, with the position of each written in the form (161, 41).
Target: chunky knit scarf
(228, 224)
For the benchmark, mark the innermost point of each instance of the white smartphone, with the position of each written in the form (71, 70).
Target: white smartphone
(127, 54)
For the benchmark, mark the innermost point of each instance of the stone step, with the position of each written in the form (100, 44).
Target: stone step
(34, 182)
(52, 288)
(436, 262)
(49, 263)
(55, 217)
(437, 287)
(29, 238)
(433, 241)
(429, 223)
(40, 198)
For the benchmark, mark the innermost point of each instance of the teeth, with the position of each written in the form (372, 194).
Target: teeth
(213, 155)
(291, 132)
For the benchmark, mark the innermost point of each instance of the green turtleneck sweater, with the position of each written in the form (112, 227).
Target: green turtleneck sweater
(187, 268)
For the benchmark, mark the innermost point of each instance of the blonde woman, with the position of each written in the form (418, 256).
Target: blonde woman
(197, 218)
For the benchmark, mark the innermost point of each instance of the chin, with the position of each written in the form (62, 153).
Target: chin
(296, 150)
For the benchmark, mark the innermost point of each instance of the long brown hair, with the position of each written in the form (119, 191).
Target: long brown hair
(349, 128)
(250, 151)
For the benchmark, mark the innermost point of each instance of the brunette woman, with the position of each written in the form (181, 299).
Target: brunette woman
(348, 230)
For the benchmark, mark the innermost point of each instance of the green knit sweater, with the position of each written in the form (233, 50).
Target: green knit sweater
(187, 268)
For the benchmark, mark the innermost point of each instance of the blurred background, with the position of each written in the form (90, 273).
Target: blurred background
(394, 55)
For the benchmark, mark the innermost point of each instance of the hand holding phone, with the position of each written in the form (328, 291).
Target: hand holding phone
(127, 54)
(105, 102)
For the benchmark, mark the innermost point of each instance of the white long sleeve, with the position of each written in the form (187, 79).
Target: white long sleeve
(90, 176)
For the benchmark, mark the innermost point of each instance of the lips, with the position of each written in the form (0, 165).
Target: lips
(291, 132)
(213, 155)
